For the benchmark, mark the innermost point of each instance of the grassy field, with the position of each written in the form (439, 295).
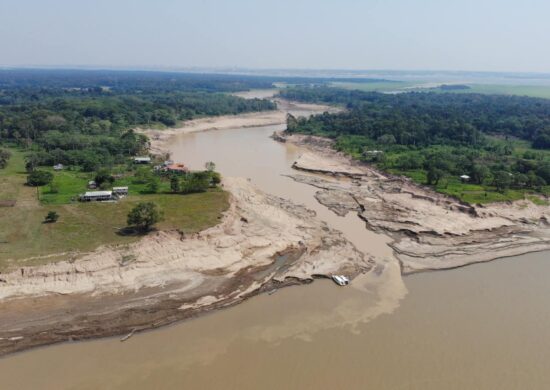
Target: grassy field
(540, 91)
(70, 184)
(25, 239)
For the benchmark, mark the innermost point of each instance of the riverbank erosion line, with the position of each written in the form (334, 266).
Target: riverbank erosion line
(263, 242)
(430, 231)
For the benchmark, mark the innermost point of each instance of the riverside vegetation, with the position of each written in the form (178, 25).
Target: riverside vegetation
(502, 143)
(84, 121)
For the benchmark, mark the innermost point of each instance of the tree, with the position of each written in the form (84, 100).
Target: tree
(175, 183)
(215, 179)
(502, 180)
(434, 175)
(39, 178)
(103, 178)
(210, 166)
(153, 185)
(520, 180)
(143, 175)
(196, 182)
(51, 217)
(479, 173)
(144, 215)
(4, 157)
(387, 139)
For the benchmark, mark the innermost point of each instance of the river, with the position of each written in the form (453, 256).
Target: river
(485, 326)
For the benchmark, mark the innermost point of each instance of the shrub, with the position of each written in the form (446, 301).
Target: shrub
(39, 178)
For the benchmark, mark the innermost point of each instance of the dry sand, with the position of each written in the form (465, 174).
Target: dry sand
(159, 138)
(264, 242)
(430, 231)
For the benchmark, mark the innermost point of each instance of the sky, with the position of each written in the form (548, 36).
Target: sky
(471, 35)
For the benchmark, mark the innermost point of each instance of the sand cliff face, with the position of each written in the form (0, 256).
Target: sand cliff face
(263, 242)
(430, 230)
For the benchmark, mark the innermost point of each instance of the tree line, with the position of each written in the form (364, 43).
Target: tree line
(438, 134)
(92, 127)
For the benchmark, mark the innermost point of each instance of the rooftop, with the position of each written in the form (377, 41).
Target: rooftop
(98, 193)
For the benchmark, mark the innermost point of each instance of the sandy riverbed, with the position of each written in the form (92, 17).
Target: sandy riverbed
(430, 231)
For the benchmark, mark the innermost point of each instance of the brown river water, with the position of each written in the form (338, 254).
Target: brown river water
(485, 326)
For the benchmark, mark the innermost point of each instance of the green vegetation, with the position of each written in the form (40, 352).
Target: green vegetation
(4, 158)
(83, 227)
(39, 178)
(499, 145)
(537, 91)
(144, 215)
(51, 217)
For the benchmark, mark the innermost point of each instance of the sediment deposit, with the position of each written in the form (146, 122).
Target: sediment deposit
(263, 242)
(430, 230)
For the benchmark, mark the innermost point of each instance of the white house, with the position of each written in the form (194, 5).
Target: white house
(96, 196)
(120, 191)
(142, 160)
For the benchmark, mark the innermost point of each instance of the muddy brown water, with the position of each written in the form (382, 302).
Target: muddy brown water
(485, 326)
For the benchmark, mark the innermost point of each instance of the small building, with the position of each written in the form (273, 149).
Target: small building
(464, 178)
(58, 167)
(120, 191)
(96, 196)
(92, 184)
(176, 168)
(373, 152)
(142, 160)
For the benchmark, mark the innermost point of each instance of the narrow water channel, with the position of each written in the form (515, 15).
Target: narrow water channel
(485, 326)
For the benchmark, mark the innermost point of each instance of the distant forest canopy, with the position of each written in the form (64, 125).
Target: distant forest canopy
(435, 138)
(90, 126)
(151, 81)
(423, 119)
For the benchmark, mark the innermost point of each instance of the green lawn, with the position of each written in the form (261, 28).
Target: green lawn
(25, 239)
(71, 183)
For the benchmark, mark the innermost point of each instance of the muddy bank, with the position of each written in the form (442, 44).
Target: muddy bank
(430, 230)
(264, 242)
(160, 138)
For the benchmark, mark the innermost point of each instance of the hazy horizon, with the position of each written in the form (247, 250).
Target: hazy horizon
(422, 35)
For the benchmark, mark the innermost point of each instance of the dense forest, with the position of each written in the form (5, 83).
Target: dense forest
(85, 118)
(501, 142)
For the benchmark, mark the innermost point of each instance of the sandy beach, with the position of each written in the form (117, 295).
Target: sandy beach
(159, 138)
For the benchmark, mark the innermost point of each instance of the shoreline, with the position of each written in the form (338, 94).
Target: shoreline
(424, 226)
(430, 231)
(263, 243)
(160, 138)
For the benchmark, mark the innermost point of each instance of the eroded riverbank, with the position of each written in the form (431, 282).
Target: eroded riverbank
(264, 242)
(430, 231)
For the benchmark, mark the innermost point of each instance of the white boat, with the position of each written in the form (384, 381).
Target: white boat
(340, 280)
